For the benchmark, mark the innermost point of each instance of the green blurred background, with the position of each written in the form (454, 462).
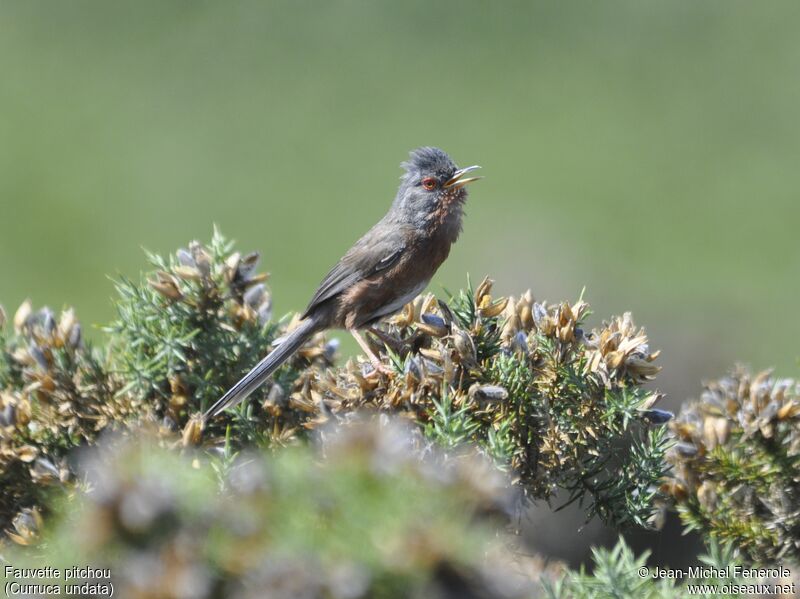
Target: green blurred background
(646, 150)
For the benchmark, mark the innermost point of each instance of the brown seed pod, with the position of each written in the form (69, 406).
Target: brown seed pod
(185, 257)
(167, 285)
(26, 526)
(232, 266)
(187, 273)
(202, 259)
(493, 393)
(483, 290)
(27, 453)
(193, 431)
(433, 325)
(492, 309)
(464, 346)
(22, 315)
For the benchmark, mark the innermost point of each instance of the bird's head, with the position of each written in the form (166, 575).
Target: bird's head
(431, 183)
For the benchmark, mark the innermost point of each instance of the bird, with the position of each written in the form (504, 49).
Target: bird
(384, 270)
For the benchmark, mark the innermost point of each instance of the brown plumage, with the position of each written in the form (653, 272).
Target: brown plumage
(385, 269)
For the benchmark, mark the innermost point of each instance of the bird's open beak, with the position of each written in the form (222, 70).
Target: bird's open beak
(456, 180)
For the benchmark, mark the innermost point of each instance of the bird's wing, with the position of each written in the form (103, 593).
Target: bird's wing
(370, 254)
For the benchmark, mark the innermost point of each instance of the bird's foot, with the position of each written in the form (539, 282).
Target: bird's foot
(377, 365)
(380, 367)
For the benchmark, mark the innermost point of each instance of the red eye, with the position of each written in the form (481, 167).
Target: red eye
(429, 183)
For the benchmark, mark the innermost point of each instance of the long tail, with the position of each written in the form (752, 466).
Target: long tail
(261, 371)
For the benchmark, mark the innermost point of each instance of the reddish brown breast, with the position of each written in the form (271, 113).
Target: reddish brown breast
(388, 291)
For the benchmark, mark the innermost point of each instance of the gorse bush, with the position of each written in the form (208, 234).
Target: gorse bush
(190, 329)
(559, 407)
(736, 474)
(56, 395)
(553, 403)
(618, 572)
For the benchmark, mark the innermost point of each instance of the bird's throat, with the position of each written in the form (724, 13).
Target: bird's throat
(444, 221)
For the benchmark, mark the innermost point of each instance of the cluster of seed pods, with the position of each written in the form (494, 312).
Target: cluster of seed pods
(735, 462)
(452, 351)
(236, 278)
(57, 397)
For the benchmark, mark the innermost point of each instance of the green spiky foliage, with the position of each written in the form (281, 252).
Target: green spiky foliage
(618, 573)
(558, 407)
(190, 329)
(555, 406)
(56, 395)
(736, 464)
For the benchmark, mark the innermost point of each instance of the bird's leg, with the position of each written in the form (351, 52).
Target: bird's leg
(376, 363)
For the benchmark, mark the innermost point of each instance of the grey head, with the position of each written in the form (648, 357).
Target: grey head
(432, 183)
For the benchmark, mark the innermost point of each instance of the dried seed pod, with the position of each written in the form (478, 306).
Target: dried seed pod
(185, 258)
(276, 397)
(483, 290)
(23, 411)
(331, 347)
(35, 352)
(75, 336)
(66, 324)
(519, 343)
(789, 410)
(539, 314)
(490, 310)
(166, 285)
(657, 416)
(405, 317)
(465, 347)
(675, 489)
(254, 295)
(248, 265)
(22, 315)
(27, 524)
(413, 368)
(642, 368)
(433, 325)
(193, 431)
(232, 266)
(187, 273)
(510, 328)
(44, 471)
(716, 431)
(547, 326)
(47, 320)
(447, 312)
(479, 392)
(707, 495)
(27, 453)
(652, 399)
(524, 309)
(2, 317)
(202, 259)
(687, 450)
(431, 368)
(614, 359)
(428, 304)
(8, 415)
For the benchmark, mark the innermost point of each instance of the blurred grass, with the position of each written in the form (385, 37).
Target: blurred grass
(647, 150)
